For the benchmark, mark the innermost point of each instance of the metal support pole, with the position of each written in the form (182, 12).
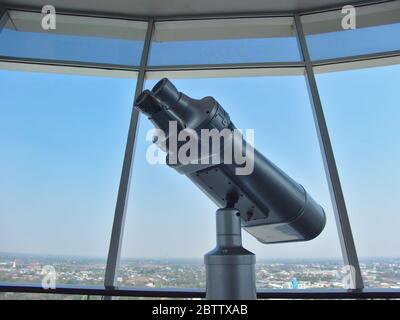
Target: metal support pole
(230, 268)
(123, 191)
(342, 220)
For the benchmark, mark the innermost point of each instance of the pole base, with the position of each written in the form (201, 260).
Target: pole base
(230, 268)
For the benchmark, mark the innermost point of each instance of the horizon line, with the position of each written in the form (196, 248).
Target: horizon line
(53, 255)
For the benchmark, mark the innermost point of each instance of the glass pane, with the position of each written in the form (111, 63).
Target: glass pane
(62, 146)
(363, 115)
(224, 41)
(170, 222)
(85, 39)
(377, 30)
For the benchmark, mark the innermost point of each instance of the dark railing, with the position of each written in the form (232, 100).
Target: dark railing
(200, 293)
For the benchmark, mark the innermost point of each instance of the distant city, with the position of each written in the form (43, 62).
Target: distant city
(190, 273)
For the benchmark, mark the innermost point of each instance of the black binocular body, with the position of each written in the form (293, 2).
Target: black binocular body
(273, 207)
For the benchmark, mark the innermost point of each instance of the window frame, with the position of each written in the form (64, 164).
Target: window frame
(305, 66)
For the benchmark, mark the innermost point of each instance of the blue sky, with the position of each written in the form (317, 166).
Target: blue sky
(362, 113)
(62, 140)
(363, 116)
(284, 132)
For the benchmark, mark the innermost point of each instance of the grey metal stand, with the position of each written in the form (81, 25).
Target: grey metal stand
(230, 268)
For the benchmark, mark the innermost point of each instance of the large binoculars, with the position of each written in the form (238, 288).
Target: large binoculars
(273, 207)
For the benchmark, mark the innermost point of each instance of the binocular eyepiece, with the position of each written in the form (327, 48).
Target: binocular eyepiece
(164, 93)
(188, 112)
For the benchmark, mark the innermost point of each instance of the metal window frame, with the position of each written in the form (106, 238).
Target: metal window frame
(91, 290)
(349, 252)
(114, 252)
(342, 221)
(3, 17)
(69, 63)
(95, 14)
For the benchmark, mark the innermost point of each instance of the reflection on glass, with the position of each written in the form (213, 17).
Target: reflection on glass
(170, 223)
(377, 29)
(362, 113)
(224, 41)
(354, 42)
(75, 38)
